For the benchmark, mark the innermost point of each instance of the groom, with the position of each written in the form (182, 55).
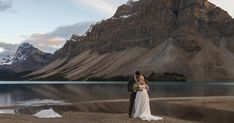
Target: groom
(132, 93)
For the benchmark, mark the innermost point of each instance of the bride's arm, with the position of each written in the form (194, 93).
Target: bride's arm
(146, 86)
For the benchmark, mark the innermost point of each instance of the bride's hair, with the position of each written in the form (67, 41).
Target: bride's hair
(141, 77)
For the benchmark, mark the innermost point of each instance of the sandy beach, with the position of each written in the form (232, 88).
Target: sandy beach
(79, 117)
(173, 110)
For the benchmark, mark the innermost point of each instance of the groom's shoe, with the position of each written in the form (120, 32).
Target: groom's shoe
(130, 116)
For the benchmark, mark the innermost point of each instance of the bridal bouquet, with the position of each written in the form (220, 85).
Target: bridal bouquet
(135, 87)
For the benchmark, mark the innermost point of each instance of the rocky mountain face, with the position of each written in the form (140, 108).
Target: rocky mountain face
(27, 58)
(192, 39)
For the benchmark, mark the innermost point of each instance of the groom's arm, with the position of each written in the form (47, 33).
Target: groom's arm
(147, 87)
(129, 86)
(146, 82)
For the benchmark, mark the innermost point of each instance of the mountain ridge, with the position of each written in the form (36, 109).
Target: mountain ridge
(192, 38)
(26, 59)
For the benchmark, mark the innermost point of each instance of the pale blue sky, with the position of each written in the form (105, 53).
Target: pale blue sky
(41, 16)
(42, 21)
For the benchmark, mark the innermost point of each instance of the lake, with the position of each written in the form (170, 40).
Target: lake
(17, 91)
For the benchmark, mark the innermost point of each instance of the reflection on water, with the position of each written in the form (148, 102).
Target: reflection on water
(85, 91)
(5, 98)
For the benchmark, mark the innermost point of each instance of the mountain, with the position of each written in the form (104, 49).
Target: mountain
(22, 53)
(165, 39)
(27, 58)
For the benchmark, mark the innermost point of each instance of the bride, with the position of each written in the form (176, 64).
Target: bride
(142, 106)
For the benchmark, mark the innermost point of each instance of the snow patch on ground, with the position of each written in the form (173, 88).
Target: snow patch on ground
(130, 2)
(7, 111)
(125, 16)
(47, 113)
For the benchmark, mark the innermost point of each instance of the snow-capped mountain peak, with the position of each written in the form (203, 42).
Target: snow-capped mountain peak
(7, 60)
(22, 53)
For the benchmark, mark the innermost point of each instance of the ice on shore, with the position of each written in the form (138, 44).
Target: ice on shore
(38, 102)
(47, 113)
(7, 111)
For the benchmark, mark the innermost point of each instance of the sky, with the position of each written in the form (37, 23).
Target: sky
(47, 24)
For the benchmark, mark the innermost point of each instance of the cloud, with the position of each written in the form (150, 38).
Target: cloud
(54, 40)
(48, 42)
(97, 4)
(68, 30)
(106, 6)
(45, 42)
(8, 49)
(5, 5)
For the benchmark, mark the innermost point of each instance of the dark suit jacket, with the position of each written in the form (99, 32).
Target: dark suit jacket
(131, 83)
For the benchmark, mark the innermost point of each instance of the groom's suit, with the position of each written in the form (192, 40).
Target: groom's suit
(131, 83)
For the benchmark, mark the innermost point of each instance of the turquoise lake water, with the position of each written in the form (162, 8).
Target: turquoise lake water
(75, 91)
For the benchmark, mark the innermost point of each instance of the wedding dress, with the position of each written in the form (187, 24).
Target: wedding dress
(142, 106)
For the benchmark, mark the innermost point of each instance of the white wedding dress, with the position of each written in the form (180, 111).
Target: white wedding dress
(142, 106)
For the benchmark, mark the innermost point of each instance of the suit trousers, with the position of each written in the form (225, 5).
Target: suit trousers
(131, 103)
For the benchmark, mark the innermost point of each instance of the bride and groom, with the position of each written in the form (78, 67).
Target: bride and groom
(139, 106)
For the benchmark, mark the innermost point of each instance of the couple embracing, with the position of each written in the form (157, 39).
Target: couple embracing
(139, 106)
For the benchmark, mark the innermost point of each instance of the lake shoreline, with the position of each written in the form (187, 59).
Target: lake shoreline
(173, 110)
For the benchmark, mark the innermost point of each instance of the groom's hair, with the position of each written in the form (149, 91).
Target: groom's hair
(138, 73)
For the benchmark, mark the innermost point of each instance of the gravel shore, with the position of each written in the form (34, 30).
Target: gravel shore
(173, 110)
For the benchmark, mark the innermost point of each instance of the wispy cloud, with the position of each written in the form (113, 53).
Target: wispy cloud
(5, 5)
(54, 40)
(8, 49)
(48, 42)
(106, 6)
